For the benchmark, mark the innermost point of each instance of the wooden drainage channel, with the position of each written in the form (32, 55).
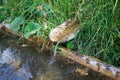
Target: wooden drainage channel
(87, 61)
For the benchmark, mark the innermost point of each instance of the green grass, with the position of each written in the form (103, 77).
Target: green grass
(100, 30)
(99, 34)
(53, 12)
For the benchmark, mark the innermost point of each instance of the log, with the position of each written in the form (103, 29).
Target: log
(5, 28)
(93, 64)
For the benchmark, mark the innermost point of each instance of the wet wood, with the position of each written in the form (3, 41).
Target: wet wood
(93, 64)
(4, 28)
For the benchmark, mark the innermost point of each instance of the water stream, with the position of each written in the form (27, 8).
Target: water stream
(18, 62)
(53, 57)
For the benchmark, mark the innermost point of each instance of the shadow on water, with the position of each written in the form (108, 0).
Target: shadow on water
(19, 62)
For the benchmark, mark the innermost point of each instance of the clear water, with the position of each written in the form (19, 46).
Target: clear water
(53, 58)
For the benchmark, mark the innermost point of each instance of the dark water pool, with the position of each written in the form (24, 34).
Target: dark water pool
(22, 62)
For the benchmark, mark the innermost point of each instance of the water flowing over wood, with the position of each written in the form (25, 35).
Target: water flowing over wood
(92, 63)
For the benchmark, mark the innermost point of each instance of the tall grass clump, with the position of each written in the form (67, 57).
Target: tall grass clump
(99, 35)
